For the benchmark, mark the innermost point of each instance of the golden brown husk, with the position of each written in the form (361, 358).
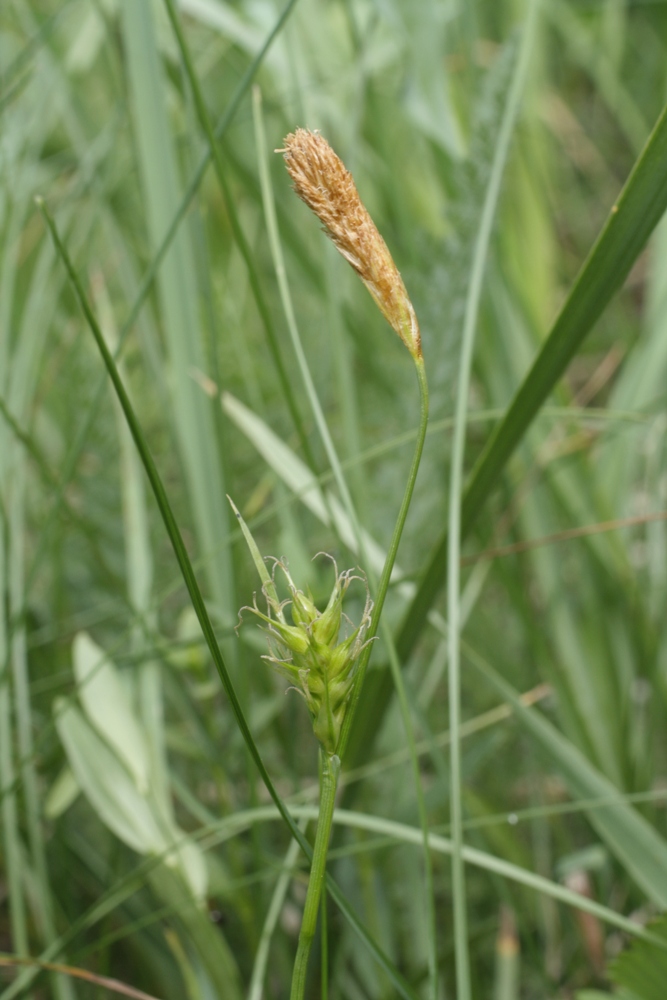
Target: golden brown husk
(323, 183)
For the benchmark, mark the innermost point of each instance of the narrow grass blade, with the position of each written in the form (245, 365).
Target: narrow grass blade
(21, 367)
(402, 832)
(454, 531)
(256, 988)
(636, 844)
(506, 983)
(260, 565)
(177, 287)
(10, 828)
(24, 722)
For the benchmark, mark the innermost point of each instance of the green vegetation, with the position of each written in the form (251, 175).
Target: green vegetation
(174, 328)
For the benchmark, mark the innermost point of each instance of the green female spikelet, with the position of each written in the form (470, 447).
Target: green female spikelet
(309, 653)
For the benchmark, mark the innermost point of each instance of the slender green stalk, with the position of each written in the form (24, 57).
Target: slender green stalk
(24, 725)
(256, 988)
(324, 945)
(506, 980)
(455, 505)
(401, 694)
(330, 765)
(383, 585)
(10, 827)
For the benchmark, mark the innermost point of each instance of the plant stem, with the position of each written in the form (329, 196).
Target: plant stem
(324, 960)
(330, 765)
(391, 556)
(454, 527)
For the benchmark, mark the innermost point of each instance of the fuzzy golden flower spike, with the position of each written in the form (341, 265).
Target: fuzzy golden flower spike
(323, 183)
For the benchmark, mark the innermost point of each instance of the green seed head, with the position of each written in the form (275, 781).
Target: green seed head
(309, 654)
(304, 611)
(294, 637)
(326, 626)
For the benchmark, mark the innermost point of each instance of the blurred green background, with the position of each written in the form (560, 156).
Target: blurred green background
(136, 839)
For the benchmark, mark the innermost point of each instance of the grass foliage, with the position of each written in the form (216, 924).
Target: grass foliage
(155, 824)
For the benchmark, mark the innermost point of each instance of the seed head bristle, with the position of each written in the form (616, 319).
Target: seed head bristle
(326, 186)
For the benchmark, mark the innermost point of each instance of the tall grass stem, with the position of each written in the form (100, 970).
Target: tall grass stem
(392, 551)
(330, 769)
(256, 989)
(455, 500)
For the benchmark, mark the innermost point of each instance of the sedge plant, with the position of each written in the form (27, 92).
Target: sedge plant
(327, 669)
(584, 614)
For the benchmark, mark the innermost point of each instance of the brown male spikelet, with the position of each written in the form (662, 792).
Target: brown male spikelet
(323, 183)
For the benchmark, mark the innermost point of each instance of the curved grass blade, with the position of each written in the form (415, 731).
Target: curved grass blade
(454, 616)
(405, 833)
